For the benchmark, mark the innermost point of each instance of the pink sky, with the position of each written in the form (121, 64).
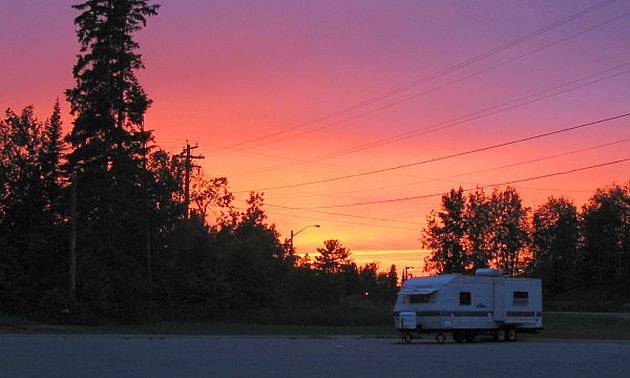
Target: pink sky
(295, 75)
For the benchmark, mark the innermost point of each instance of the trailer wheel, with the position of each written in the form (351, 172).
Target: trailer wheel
(511, 334)
(500, 334)
(440, 338)
(458, 336)
(407, 337)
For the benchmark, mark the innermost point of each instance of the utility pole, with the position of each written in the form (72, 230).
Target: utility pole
(73, 239)
(186, 155)
(188, 166)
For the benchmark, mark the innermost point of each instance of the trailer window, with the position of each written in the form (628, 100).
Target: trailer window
(465, 298)
(521, 298)
(420, 298)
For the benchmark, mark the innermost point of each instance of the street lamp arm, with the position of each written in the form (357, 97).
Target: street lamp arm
(295, 233)
(313, 225)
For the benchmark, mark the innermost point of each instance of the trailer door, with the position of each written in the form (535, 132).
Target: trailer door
(499, 301)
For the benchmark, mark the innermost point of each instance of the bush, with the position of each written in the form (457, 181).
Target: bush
(589, 300)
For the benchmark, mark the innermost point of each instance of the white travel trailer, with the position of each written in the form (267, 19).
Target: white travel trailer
(467, 306)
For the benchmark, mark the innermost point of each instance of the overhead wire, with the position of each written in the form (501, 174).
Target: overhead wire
(318, 209)
(430, 91)
(336, 214)
(450, 156)
(353, 222)
(461, 120)
(334, 179)
(430, 77)
(499, 184)
(398, 223)
(464, 174)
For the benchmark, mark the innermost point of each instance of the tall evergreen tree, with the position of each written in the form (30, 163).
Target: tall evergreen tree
(108, 100)
(109, 151)
(332, 257)
(108, 136)
(50, 155)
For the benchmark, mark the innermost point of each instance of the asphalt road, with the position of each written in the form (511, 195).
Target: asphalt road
(243, 356)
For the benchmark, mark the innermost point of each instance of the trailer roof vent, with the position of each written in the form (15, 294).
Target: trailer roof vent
(489, 272)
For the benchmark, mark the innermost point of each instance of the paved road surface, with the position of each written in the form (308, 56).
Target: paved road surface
(240, 356)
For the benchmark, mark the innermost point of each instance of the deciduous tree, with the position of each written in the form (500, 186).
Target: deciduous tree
(511, 237)
(30, 230)
(554, 244)
(479, 229)
(444, 235)
(605, 228)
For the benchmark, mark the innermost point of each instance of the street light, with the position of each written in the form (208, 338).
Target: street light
(295, 233)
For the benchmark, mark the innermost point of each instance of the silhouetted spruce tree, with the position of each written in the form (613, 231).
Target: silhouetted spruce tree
(108, 152)
(332, 257)
(50, 156)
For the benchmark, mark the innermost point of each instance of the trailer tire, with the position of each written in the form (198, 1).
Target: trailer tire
(511, 334)
(440, 338)
(500, 334)
(407, 337)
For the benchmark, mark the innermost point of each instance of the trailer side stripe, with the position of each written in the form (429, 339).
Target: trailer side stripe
(478, 313)
(454, 313)
(523, 313)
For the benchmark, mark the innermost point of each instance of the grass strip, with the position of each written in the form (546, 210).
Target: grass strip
(557, 326)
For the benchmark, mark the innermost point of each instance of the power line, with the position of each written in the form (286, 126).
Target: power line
(429, 91)
(536, 160)
(458, 121)
(511, 182)
(430, 77)
(450, 156)
(346, 215)
(509, 105)
(352, 216)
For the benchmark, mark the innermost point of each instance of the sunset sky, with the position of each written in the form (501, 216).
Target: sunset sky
(357, 115)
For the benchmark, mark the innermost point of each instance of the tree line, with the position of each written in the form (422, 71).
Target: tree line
(570, 250)
(138, 251)
(95, 224)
